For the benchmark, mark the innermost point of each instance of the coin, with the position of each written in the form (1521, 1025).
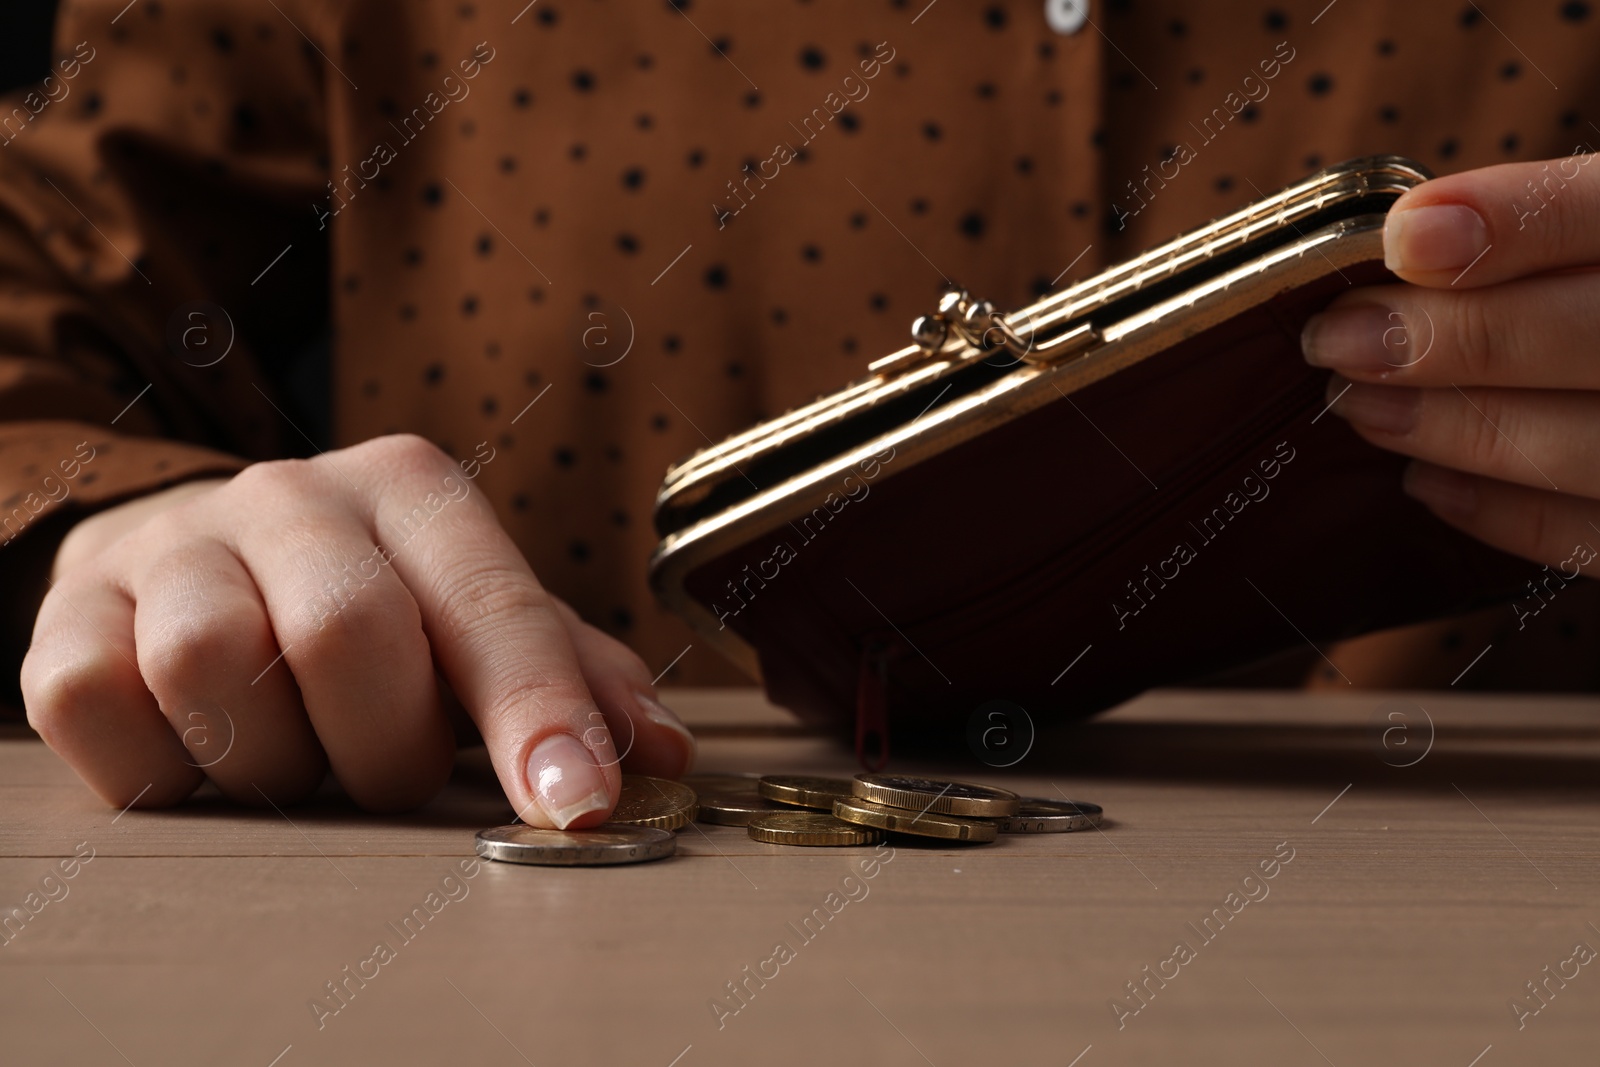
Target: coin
(936, 794)
(804, 790)
(1038, 816)
(922, 823)
(810, 828)
(721, 783)
(601, 847)
(734, 809)
(654, 802)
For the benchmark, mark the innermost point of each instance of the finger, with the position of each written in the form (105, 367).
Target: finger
(352, 638)
(85, 696)
(653, 740)
(498, 638)
(1542, 439)
(1481, 227)
(204, 639)
(1556, 529)
(1534, 334)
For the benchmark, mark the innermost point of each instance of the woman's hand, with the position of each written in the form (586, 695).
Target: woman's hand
(260, 630)
(1486, 368)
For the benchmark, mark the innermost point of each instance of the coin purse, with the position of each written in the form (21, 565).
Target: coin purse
(1133, 482)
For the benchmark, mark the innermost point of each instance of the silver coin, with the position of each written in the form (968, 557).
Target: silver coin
(1039, 816)
(603, 846)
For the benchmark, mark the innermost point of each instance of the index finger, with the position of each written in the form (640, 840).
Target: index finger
(1481, 227)
(496, 636)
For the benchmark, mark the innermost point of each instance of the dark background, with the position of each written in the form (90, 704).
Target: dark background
(25, 27)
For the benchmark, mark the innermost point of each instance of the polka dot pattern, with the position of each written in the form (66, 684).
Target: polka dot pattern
(604, 237)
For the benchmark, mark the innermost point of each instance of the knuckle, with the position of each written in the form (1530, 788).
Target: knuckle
(408, 452)
(529, 690)
(59, 690)
(162, 531)
(494, 605)
(1475, 338)
(1480, 412)
(190, 654)
(270, 478)
(488, 595)
(1565, 227)
(343, 625)
(312, 540)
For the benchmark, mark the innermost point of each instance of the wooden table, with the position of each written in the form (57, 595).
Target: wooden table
(1418, 902)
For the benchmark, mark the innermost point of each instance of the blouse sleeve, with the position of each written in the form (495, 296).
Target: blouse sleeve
(149, 188)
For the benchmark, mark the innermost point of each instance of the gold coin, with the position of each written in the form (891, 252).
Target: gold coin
(734, 809)
(654, 802)
(937, 795)
(810, 828)
(804, 790)
(920, 823)
(721, 783)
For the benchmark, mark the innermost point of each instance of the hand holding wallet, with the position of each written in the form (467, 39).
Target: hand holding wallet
(1129, 483)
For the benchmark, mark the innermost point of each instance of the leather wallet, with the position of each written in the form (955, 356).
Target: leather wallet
(1132, 482)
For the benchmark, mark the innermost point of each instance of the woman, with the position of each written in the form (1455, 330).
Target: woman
(492, 266)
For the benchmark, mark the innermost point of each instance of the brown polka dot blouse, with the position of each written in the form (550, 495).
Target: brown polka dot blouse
(595, 235)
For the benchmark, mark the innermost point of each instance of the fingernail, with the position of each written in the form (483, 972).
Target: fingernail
(1437, 237)
(1386, 408)
(662, 715)
(1367, 337)
(1441, 489)
(565, 779)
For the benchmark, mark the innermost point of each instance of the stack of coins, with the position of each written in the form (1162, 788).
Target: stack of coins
(860, 810)
(785, 809)
(730, 799)
(807, 818)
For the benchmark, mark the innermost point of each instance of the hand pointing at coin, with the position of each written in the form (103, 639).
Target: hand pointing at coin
(308, 609)
(792, 811)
